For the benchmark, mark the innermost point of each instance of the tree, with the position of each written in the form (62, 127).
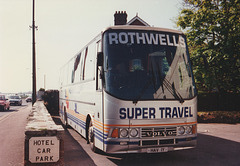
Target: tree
(213, 31)
(42, 89)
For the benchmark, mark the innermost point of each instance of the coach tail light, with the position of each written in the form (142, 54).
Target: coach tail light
(115, 133)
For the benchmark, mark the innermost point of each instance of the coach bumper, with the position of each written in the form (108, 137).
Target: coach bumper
(150, 146)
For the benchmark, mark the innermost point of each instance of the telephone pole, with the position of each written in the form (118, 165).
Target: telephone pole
(34, 98)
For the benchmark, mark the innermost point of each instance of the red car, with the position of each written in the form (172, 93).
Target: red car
(4, 103)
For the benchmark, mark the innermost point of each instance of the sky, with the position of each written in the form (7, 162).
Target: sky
(64, 27)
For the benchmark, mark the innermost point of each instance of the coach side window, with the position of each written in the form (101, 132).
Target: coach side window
(63, 75)
(76, 69)
(70, 71)
(99, 68)
(88, 66)
(84, 64)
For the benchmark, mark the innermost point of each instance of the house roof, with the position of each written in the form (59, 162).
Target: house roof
(137, 21)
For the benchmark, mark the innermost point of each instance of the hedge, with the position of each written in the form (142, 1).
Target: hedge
(51, 100)
(219, 101)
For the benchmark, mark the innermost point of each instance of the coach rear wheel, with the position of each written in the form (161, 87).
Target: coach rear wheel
(91, 136)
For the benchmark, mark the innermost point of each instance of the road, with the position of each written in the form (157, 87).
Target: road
(13, 109)
(218, 144)
(12, 128)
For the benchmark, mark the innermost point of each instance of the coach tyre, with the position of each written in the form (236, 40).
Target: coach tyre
(91, 136)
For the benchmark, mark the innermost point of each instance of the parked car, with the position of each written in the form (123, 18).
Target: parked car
(29, 99)
(4, 103)
(15, 100)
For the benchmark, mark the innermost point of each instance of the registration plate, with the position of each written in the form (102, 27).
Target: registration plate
(157, 150)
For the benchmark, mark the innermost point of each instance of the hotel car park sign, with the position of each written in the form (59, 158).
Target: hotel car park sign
(43, 149)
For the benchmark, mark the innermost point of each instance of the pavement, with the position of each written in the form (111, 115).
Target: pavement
(225, 131)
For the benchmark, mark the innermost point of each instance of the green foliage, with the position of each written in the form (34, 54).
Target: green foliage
(213, 31)
(42, 89)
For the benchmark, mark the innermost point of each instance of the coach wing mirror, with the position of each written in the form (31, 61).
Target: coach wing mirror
(100, 58)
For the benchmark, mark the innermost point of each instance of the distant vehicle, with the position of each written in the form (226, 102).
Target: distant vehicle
(29, 99)
(4, 103)
(15, 100)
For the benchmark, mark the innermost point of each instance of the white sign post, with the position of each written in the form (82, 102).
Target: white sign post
(43, 149)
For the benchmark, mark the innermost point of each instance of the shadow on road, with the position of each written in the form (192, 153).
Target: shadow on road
(74, 154)
(10, 110)
(210, 151)
(16, 108)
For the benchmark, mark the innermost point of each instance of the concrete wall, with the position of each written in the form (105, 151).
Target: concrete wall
(43, 138)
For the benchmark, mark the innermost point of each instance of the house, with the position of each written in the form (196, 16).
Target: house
(120, 18)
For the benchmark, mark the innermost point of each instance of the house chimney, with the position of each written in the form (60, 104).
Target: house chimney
(120, 18)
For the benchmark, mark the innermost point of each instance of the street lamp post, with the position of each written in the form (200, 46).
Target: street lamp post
(33, 59)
